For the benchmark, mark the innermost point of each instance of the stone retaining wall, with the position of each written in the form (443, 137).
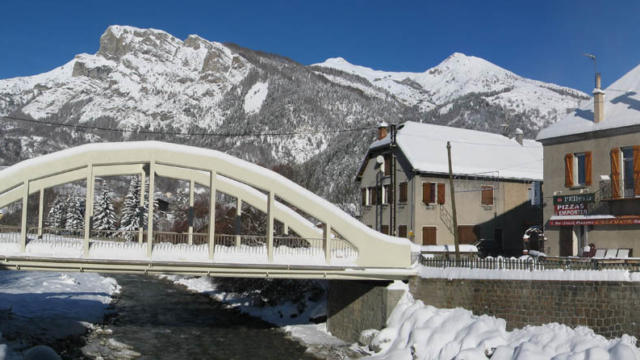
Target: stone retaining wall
(609, 308)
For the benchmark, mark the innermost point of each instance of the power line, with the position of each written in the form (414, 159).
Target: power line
(174, 133)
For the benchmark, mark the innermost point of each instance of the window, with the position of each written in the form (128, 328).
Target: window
(577, 169)
(431, 190)
(466, 234)
(428, 235)
(403, 192)
(487, 195)
(627, 171)
(428, 193)
(365, 196)
(387, 164)
(386, 194)
(373, 196)
(384, 229)
(402, 231)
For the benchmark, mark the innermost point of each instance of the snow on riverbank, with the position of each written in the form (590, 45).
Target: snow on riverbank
(286, 316)
(37, 305)
(418, 331)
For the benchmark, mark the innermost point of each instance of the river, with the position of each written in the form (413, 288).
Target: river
(156, 320)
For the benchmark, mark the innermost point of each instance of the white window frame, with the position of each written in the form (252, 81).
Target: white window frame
(366, 197)
(576, 169)
(622, 176)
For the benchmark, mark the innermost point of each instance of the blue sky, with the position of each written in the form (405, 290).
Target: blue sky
(540, 39)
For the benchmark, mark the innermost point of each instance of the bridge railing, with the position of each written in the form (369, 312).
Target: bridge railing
(9, 234)
(252, 245)
(532, 264)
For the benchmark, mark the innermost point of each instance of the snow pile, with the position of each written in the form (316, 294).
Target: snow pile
(255, 97)
(80, 296)
(417, 331)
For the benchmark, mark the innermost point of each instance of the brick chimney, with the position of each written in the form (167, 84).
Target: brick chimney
(382, 130)
(598, 101)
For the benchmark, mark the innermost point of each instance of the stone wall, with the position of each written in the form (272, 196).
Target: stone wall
(609, 308)
(354, 306)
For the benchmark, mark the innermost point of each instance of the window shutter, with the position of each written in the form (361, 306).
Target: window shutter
(441, 193)
(636, 170)
(587, 168)
(387, 164)
(403, 192)
(615, 173)
(426, 193)
(568, 170)
(487, 195)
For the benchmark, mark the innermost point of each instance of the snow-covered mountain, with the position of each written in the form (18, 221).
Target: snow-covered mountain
(143, 80)
(439, 88)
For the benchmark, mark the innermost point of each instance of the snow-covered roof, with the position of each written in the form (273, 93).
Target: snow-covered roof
(473, 152)
(621, 108)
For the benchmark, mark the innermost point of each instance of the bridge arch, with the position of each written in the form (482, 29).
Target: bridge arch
(218, 171)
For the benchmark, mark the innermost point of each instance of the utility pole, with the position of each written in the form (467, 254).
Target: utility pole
(392, 188)
(453, 205)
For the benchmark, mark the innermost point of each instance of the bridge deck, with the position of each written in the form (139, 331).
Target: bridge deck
(66, 254)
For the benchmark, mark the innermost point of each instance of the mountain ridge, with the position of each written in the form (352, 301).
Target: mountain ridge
(147, 79)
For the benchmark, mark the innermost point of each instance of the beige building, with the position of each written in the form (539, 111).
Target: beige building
(404, 182)
(592, 174)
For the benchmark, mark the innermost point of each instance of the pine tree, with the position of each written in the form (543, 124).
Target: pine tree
(104, 217)
(57, 216)
(131, 211)
(130, 219)
(75, 213)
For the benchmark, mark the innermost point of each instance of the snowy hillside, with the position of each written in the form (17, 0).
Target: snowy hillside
(146, 80)
(460, 75)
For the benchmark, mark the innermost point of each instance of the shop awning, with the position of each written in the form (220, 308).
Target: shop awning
(569, 220)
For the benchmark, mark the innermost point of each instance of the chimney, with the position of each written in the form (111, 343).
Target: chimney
(382, 130)
(519, 135)
(598, 101)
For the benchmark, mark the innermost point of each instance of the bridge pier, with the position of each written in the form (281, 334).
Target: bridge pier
(354, 306)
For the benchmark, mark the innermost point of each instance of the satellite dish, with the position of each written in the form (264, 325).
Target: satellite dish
(380, 159)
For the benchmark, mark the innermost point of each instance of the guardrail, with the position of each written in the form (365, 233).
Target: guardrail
(533, 264)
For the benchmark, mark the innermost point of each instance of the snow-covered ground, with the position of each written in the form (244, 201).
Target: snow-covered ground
(50, 305)
(419, 331)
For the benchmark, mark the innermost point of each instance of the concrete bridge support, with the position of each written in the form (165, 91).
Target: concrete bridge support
(354, 306)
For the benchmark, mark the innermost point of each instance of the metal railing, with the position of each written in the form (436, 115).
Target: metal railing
(9, 233)
(531, 264)
(340, 249)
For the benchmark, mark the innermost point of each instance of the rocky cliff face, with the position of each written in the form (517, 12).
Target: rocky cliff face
(150, 85)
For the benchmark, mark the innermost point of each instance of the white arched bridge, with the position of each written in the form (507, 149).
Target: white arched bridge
(336, 246)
